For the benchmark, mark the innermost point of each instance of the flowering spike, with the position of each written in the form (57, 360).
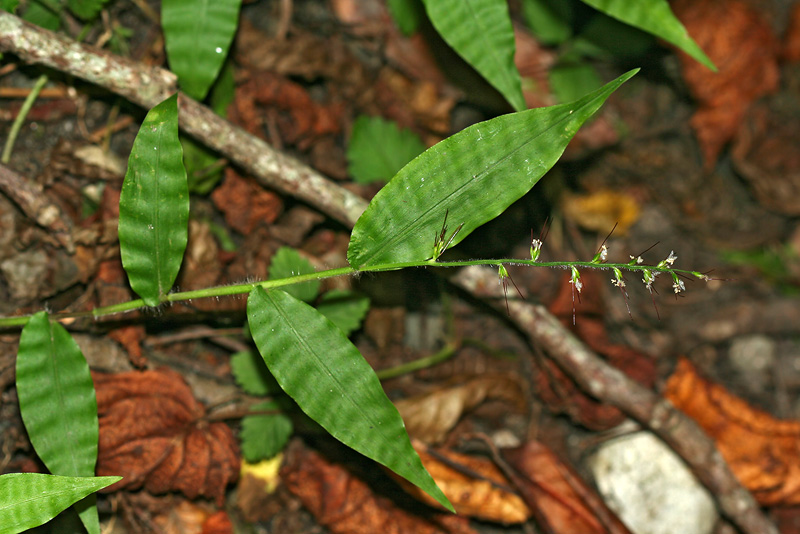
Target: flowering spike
(576, 279)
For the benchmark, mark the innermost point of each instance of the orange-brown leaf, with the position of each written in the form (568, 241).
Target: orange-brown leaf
(741, 44)
(475, 486)
(152, 434)
(346, 505)
(429, 417)
(763, 452)
(563, 500)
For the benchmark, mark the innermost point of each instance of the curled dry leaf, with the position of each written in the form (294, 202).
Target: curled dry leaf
(601, 210)
(244, 203)
(565, 503)
(344, 504)
(152, 433)
(431, 416)
(763, 452)
(474, 485)
(556, 389)
(742, 46)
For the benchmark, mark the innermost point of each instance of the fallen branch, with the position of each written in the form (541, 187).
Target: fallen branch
(147, 86)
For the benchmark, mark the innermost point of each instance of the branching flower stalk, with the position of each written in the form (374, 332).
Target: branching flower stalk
(648, 273)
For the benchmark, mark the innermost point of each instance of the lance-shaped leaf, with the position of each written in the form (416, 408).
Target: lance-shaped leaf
(28, 500)
(57, 403)
(653, 16)
(316, 365)
(480, 31)
(198, 35)
(472, 177)
(154, 205)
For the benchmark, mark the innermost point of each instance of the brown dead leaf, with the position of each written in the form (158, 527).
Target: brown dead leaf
(152, 433)
(556, 389)
(564, 502)
(741, 44)
(346, 505)
(601, 210)
(763, 452)
(475, 486)
(244, 203)
(765, 152)
(791, 41)
(431, 416)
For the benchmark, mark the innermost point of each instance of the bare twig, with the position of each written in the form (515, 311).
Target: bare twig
(611, 385)
(147, 86)
(37, 205)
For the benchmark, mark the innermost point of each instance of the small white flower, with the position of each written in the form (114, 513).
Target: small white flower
(536, 249)
(576, 280)
(618, 281)
(679, 286)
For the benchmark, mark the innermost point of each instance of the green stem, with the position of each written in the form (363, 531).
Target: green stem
(239, 289)
(20, 119)
(422, 363)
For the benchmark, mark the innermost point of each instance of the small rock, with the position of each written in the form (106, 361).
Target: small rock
(650, 488)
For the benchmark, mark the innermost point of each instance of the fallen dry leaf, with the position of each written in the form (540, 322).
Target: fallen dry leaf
(601, 210)
(244, 203)
(791, 40)
(763, 452)
(563, 501)
(556, 389)
(152, 433)
(475, 486)
(764, 152)
(431, 416)
(190, 518)
(742, 46)
(346, 505)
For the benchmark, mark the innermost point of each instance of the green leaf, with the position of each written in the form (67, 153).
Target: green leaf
(407, 14)
(549, 20)
(345, 309)
(86, 9)
(252, 374)
(57, 402)
(264, 436)
(473, 175)
(288, 262)
(154, 205)
(378, 149)
(316, 365)
(201, 172)
(480, 31)
(570, 81)
(43, 15)
(9, 5)
(28, 500)
(604, 37)
(653, 16)
(197, 35)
